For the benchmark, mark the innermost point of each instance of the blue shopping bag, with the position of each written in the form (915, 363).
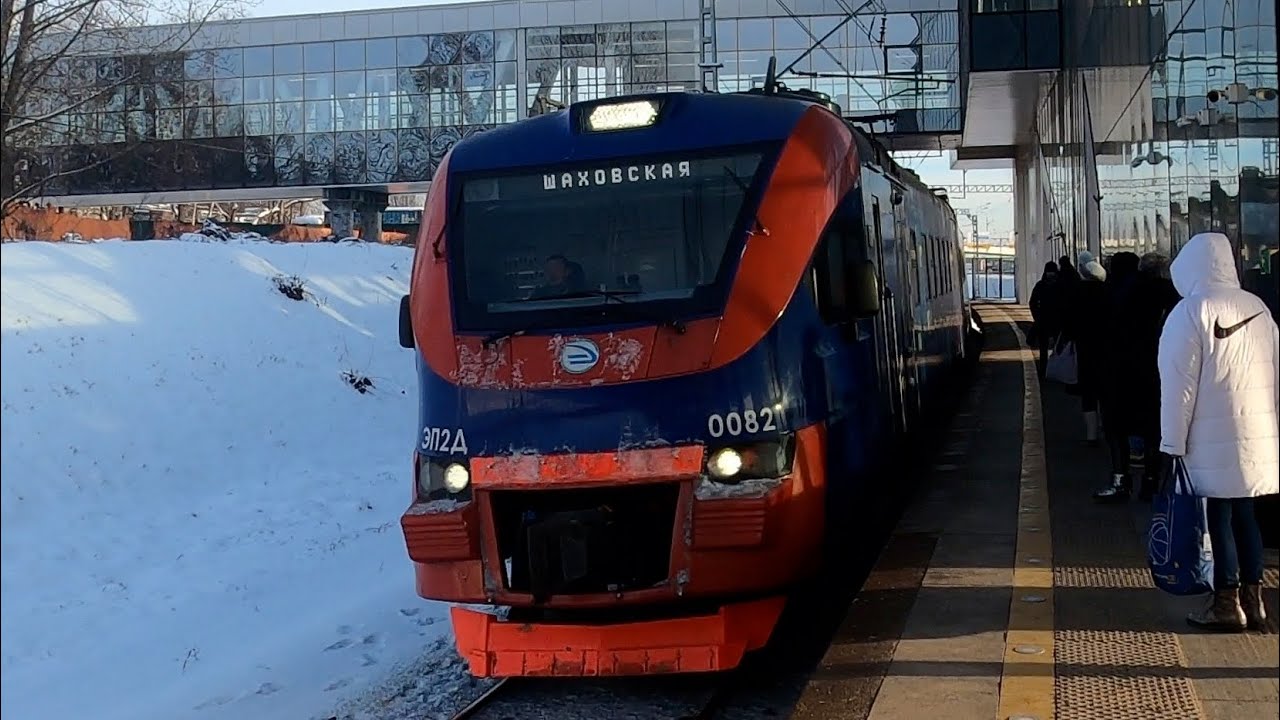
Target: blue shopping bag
(1179, 553)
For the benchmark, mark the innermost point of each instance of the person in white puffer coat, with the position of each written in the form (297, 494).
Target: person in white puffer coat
(1219, 363)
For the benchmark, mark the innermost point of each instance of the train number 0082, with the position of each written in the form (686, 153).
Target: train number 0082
(737, 423)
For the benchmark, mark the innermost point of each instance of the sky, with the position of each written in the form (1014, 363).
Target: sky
(995, 211)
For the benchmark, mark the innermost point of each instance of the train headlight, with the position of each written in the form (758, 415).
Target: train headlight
(724, 463)
(622, 116)
(764, 460)
(456, 478)
(441, 478)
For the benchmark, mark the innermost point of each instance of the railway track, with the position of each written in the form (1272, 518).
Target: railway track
(651, 698)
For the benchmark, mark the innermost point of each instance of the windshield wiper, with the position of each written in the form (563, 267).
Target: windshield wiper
(618, 295)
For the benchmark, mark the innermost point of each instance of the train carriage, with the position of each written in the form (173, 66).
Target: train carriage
(661, 340)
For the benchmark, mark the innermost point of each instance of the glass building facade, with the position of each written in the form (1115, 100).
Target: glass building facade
(369, 99)
(1135, 155)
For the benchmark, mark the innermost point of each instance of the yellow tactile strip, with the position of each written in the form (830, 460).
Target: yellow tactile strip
(1027, 680)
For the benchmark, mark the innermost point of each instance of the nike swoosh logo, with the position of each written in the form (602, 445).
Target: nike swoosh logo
(1224, 332)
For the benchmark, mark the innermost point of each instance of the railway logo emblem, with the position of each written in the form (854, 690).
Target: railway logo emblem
(579, 356)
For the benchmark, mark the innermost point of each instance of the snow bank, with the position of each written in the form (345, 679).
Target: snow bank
(200, 515)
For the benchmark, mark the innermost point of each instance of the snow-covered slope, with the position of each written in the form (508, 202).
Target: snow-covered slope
(200, 515)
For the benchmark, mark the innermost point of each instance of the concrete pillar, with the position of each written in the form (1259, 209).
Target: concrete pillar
(370, 222)
(342, 221)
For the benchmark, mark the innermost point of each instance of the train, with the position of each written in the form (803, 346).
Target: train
(661, 339)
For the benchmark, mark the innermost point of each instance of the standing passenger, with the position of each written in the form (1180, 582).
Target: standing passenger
(1119, 371)
(1219, 356)
(1044, 311)
(1083, 314)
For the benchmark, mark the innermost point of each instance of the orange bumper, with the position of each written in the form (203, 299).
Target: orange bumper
(706, 643)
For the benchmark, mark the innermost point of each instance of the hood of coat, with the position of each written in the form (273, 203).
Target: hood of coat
(1093, 270)
(1205, 261)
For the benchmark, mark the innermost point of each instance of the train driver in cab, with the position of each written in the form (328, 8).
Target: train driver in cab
(563, 277)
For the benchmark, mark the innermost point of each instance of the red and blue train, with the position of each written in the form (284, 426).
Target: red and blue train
(656, 336)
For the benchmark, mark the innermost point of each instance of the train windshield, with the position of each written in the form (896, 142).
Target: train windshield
(638, 237)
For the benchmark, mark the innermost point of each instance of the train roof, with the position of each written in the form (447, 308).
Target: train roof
(689, 122)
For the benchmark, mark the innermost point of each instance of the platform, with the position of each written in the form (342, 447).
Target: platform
(1005, 592)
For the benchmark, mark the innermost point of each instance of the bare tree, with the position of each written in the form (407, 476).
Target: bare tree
(65, 61)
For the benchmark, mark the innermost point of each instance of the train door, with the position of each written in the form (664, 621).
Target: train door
(888, 335)
(910, 260)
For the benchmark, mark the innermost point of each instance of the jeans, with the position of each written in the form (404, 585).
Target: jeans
(1237, 542)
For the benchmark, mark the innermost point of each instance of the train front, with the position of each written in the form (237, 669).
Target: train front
(616, 438)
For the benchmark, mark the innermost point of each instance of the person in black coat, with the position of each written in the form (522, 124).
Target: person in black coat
(1084, 308)
(1120, 370)
(1045, 312)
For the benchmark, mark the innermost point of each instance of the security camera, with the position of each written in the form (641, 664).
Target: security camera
(1137, 162)
(1213, 96)
(1208, 116)
(1265, 94)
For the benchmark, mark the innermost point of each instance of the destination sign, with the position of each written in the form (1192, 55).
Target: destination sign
(618, 175)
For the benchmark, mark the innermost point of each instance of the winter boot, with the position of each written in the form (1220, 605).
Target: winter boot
(1223, 613)
(1251, 602)
(1117, 491)
(1091, 427)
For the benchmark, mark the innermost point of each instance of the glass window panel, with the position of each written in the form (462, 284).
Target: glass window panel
(941, 58)
(380, 53)
(412, 51)
(168, 94)
(199, 122)
(229, 121)
(380, 82)
(258, 89)
(578, 41)
(348, 55)
(169, 124)
(415, 111)
(349, 114)
(790, 33)
(198, 65)
(318, 57)
(318, 87)
(228, 91)
(682, 67)
(755, 34)
(682, 36)
(228, 63)
(288, 59)
(542, 43)
(504, 45)
(829, 59)
(505, 74)
(288, 117)
(613, 39)
(648, 38)
(726, 35)
(198, 93)
(753, 65)
(901, 60)
(380, 113)
(258, 61)
(348, 84)
(257, 119)
(319, 115)
(288, 87)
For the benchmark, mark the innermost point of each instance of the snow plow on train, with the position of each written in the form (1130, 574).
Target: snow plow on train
(654, 350)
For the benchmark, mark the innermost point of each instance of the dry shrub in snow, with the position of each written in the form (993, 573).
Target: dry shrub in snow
(291, 286)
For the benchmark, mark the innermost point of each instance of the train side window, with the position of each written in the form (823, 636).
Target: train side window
(949, 268)
(935, 269)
